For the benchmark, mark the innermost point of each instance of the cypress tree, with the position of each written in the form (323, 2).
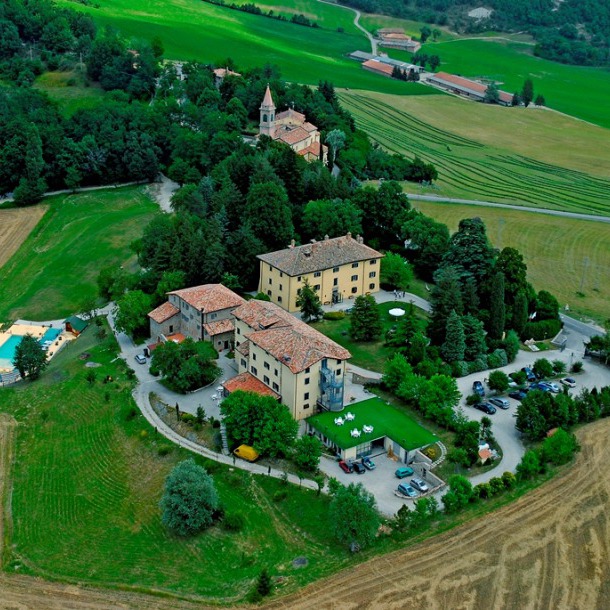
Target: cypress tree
(520, 312)
(455, 345)
(497, 307)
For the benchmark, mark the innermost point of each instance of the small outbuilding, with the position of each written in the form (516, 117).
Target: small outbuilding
(75, 325)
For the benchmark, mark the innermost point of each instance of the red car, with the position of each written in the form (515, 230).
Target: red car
(347, 468)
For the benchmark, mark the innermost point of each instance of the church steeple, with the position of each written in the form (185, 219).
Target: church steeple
(267, 115)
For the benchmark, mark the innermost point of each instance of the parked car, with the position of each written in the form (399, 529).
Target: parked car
(477, 388)
(140, 359)
(368, 463)
(486, 408)
(531, 376)
(554, 387)
(543, 387)
(570, 382)
(403, 472)
(500, 402)
(346, 467)
(518, 394)
(359, 468)
(407, 490)
(420, 485)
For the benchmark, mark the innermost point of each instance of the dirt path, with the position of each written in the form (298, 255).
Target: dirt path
(548, 550)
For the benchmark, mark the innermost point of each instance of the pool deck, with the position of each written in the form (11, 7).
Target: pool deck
(38, 331)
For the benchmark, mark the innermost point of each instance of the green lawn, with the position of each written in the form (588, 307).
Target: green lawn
(370, 355)
(87, 480)
(385, 419)
(490, 153)
(192, 29)
(69, 91)
(54, 271)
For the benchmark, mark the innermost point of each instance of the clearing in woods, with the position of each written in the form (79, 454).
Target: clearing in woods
(15, 225)
(513, 155)
(549, 549)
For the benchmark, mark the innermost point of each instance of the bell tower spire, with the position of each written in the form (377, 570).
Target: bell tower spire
(267, 115)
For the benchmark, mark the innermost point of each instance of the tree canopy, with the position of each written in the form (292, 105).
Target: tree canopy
(30, 359)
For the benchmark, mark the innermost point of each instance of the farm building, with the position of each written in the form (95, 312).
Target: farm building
(75, 325)
(291, 128)
(386, 65)
(466, 87)
(372, 65)
(395, 38)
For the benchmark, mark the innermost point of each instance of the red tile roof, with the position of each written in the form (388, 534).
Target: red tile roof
(176, 337)
(377, 66)
(313, 149)
(243, 348)
(292, 136)
(268, 99)
(444, 78)
(324, 254)
(291, 113)
(209, 297)
(287, 339)
(248, 383)
(219, 327)
(163, 312)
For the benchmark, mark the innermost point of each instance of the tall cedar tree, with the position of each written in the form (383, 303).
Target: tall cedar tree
(454, 346)
(520, 312)
(309, 303)
(497, 307)
(365, 319)
(446, 296)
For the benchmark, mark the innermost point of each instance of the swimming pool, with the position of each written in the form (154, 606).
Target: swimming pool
(7, 351)
(50, 335)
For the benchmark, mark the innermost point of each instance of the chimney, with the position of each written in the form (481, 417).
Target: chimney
(326, 238)
(349, 235)
(359, 239)
(292, 243)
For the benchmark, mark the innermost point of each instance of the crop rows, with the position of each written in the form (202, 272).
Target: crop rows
(478, 171)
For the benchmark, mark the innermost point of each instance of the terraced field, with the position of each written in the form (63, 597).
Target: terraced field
(15, 225)
(470, 167)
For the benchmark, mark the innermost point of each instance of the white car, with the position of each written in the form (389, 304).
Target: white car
(569, 381)
(140, 359)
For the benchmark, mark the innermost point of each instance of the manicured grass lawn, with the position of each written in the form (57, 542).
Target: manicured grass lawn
(54, 271)
(562, 254)
(385, 419)
(370, 355)
(69, 91)
(88, 477)
(489, 153)
(205, 32)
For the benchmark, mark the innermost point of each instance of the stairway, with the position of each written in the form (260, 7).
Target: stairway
(442, 457)
(223, 436)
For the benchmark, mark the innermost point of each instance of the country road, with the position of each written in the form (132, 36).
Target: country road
(357, 16)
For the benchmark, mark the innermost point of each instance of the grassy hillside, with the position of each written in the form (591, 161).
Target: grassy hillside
(89, 474)
(68, 89)
(515, 155)
(55, 270)
(568, 257)
(191, 29)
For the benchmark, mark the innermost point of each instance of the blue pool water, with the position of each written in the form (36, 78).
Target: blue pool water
(50, 335)
(7, 350)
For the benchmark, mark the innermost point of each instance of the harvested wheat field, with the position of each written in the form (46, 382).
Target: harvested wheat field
(548, 550)
(15, 225)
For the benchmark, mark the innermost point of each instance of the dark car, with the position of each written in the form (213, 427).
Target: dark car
(486, 408)
(359, 468)
(477, 388)
(531, 376)
(347, 468)
(500, 402)
(518, 394)
(543, 387)
(368, 463)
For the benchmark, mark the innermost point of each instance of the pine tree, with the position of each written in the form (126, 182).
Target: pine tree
(365, 319)
(497, 307)
(263, 585)
(455, 345)
(527, 93)
(520, 312)
(309, 303)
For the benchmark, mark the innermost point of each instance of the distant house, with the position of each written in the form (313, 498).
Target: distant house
(202, 313)
(338, 268)
(291, 128)
(75, 325)
(280, 356)
(466, 87)
(395, 38)
(221, 73)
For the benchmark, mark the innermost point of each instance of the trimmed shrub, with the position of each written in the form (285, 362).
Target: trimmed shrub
(334, 315)
(459, 368)
(577, 367)
(188, 419)
(473, 399)
(496, 486)
(519, 377)
(233, 522)
(559, 367)
(497, 359)
(477, 365)
(509, 480)
(482, 491)
(546, 329)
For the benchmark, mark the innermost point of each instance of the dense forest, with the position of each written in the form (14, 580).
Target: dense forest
(570, 31)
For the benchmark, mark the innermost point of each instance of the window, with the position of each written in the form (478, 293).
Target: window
(373, 274)
(275, 372)
(355, 265)
(185, 317)
(266, 365)
(253, 356)
(307, 369)
(212, 316)
(254, 371)
(339, 361)
(317, 274)
(238, 330)
(336, 281)
(270, 282)
(171, 328)
(299, 278)
(335, 269)
(266, 379)
(279, 299)
(338, 372)
(276, 387)
(270, 268)
(281, 274)
(354, 290)
(281, 288)
(306, 380)
(371, 286)
(243, 362)
(268, 293)
(316, 287)
(373, 262)
(306, 396)
(306, 406)
(354, 278)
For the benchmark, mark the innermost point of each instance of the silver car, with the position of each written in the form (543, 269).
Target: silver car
(500, 402)
(420, 485)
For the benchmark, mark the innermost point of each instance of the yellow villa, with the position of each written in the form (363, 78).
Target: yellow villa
(338, 269)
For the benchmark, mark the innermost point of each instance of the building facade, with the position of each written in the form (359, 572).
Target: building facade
(337, 269)
(305, 369)
(202, 313)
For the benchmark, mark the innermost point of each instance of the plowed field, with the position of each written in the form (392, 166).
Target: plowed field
(548, 550)
(15, 225)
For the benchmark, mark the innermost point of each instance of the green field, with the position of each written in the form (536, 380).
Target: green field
(69, 91)
(54, 271)
(385, 419)
(87, 480)
(192, 29)
(563, 255)
(491, 153)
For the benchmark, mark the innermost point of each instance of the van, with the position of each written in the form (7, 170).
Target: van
(245, 452)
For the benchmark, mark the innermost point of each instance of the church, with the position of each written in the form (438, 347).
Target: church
(292, 128)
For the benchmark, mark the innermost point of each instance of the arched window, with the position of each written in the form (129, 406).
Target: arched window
(264, 118)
